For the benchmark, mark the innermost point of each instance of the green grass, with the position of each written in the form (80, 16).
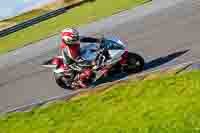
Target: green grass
(23, 17)
(26, 16)
(83, 14)
(169, 104)
(37, 12)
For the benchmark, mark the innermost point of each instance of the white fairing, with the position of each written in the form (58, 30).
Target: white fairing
(116, 54)
(117, 40)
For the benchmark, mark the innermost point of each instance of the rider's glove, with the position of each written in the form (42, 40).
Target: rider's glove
(78, 59)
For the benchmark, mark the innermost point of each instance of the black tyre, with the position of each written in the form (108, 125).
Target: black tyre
(61, 84)
(135, 63)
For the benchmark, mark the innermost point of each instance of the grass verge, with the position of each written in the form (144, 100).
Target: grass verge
(169, 104)
(35, 13)
(83, 14)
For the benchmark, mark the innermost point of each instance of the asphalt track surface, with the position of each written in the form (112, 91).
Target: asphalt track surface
(164, 33)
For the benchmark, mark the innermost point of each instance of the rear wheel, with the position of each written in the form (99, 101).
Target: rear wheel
(135, 63)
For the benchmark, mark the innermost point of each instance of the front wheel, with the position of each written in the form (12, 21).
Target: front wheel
(61, 83)
(135, 63)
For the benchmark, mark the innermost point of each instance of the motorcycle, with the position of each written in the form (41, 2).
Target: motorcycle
(111, 53)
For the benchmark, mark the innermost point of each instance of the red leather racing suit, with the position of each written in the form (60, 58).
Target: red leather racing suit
(71, 52)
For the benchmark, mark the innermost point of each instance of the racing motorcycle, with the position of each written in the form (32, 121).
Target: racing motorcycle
(111, 53)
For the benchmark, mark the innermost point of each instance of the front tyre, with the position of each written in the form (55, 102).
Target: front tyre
(61, 83)
(135, 63)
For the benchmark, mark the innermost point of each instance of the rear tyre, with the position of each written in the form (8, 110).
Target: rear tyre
(135, 63)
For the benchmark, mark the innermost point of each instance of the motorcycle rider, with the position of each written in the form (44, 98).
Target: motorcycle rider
(70, 48)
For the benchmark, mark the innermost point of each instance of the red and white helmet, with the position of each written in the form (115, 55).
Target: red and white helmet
(70, 36)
